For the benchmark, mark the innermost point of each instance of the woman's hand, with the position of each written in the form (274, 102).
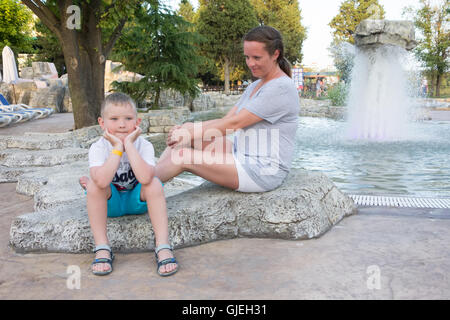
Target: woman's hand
(131, 138)
(180, 135)
(115, 142)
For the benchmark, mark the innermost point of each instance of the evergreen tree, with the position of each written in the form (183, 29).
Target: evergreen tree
(285, 16)
(224, 23)
(351, 13)
(158, 46)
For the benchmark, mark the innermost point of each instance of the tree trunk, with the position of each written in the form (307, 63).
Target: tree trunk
(432, 89)
(157, 96)
(84, 55)
(438, 85)
(226, 70)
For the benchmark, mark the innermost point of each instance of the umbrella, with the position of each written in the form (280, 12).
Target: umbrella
(10, 74)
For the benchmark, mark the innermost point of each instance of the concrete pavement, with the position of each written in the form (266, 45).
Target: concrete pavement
(379, 253)
(376, 254)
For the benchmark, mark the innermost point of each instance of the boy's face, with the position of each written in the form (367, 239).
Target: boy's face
(120, 120)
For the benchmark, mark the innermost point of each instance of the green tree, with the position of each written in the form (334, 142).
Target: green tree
(48, 47)
(186, 10)
(87, 32)
(432, 20)
(15, 27)
(343, 56)
(166, 55)
(224, 23)
(285, 16)
(351, 13)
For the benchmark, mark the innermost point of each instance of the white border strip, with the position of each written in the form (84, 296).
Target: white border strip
(400, 202)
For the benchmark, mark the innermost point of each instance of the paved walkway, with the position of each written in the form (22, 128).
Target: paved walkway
(58, 122)
(378, 253)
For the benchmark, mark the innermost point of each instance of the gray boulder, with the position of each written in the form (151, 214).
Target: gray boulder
(381, 32)
(304, 207)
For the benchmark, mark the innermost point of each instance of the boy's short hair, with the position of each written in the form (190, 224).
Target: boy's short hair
(118, 99)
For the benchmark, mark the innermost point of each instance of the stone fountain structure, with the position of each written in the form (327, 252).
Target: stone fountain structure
(378, 102)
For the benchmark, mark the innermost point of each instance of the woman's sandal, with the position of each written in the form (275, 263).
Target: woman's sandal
(103, 260)
(165, 261)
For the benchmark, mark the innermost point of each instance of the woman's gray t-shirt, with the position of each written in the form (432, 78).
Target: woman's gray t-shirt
(265, 149)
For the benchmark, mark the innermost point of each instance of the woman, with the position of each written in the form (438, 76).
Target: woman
(258, 157)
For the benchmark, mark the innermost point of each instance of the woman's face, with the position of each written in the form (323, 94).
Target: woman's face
(259, 61)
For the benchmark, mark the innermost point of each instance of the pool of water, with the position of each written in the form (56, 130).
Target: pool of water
(419, 165)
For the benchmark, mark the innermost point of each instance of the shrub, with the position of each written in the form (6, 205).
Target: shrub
(338, 94)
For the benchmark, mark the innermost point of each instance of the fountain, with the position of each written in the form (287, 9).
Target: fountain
(378, 101)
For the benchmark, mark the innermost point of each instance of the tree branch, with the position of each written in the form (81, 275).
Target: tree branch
(114, 36)
(45, 14)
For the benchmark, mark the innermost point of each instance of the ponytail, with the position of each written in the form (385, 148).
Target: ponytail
(285, 66)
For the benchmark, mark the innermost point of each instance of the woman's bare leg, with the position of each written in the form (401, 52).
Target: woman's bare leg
(215, 163)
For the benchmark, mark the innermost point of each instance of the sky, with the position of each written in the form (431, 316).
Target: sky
(315, 17)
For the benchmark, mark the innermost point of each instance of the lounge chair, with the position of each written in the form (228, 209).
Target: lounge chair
(25, 113)
(43, 112)
(4, 120)
(15, 117)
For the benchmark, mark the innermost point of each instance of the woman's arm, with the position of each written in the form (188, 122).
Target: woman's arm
(226, 125)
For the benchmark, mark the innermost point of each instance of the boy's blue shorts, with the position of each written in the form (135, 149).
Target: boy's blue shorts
(126, 202)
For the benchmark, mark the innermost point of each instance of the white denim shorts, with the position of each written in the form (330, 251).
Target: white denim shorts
(246, 184)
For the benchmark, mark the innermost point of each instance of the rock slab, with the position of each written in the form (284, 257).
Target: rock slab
(381, 32)
(306, 206)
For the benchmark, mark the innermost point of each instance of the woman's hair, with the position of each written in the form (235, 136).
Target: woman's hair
(272, 39)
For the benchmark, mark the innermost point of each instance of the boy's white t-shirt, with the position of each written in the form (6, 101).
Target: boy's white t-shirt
(124, 178)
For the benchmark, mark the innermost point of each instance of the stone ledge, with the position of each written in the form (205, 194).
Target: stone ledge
(29, 158)
(304, 207)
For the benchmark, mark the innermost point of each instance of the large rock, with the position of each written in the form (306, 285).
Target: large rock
(304, 207)
(49, 93)
(58, 186)
(321, 109)
(380, 32)
(114, 71)
(38, 158)
(160, 121)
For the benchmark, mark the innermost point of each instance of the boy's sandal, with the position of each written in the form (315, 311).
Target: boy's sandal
(103, 260)
(165, 261)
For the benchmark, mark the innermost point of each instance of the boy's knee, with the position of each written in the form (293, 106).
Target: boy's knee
(153, 186)
(93, 189)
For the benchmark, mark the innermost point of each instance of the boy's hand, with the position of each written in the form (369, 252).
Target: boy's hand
(131, 138)
(115, 142)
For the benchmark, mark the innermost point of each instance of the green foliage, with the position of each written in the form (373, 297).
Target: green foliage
(432, 20)
(338, 94)
(16, 22)
(351, 13)
(224, 23)
(285, 16)
(343, 57)
(186, 10)
(48, 47)
(157, 46)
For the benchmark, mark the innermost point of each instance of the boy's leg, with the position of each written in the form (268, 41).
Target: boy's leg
(97, 211)
(153, 193)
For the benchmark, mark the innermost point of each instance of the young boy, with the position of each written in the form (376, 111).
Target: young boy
(122, 182)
